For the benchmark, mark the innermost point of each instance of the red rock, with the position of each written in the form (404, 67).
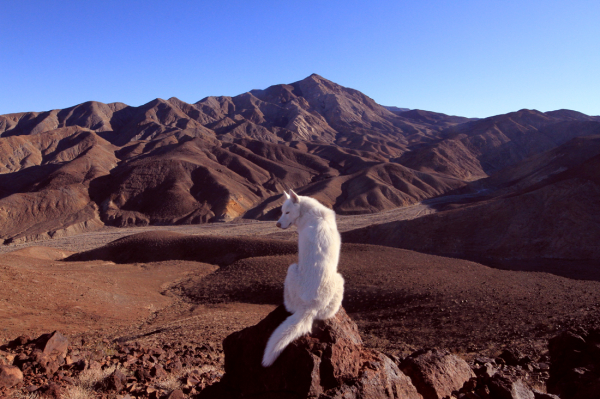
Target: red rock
(142, 374)
(330, 361)
(436, 374)
(10, 376)
(54, 345)
(53, 390)
(504, 387)
(19, 341)
(159, 372)
(176, 394)
(114, 382)
(6, 358)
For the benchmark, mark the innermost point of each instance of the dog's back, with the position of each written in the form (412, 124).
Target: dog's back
(313, 288)
(318, 238)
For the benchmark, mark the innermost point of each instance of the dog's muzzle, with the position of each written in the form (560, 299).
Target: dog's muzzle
(278, 225)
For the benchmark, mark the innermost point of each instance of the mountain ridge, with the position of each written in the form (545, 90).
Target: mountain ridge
(224, 158)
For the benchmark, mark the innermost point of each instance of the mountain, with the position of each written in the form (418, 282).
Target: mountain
(170, 162)
(223, 158)
(545, 207)
(477, 149)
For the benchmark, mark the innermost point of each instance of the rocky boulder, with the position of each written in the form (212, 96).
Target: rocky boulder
(10, 376)
(331, 362)
(503, 387)
(437, 373)
(575, 369)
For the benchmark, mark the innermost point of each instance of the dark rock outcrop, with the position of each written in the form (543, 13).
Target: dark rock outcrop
(331, 362)
(575, 369)
(503, 387)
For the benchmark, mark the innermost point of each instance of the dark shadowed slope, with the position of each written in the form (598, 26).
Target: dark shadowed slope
(550, 209)
(164, 245)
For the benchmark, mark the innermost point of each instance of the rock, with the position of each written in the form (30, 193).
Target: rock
(54, 345)
(10, 376)
(114, 382)
(46, 363)
(486, 371)
(176, 394)
(331, 361)
(510, 357)
(31, 388)
(19, 341)
(436, 374)
(175, 366)
(503, 387)
(541, 395)
(6, 358)
(53, 390)
(142, 374)
(575, 366)
(159, 372)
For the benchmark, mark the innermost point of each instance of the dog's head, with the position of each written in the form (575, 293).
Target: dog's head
(290, 210)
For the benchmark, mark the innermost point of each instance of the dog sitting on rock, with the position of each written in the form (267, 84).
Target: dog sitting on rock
(313, 287)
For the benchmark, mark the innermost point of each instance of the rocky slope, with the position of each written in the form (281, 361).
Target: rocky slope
(545, 207)
(169, 162)
(223, 158)
(477, 149)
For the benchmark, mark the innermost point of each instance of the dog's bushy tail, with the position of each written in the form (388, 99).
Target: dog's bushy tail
(293, 327)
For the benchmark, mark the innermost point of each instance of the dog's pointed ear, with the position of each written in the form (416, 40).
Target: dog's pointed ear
(295, 198)
(286, 194)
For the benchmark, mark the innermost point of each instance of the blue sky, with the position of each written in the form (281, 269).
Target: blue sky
(471, 58)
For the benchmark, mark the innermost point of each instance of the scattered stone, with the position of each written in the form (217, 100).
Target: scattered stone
(53, 390)
(10, 376)
(176, 394)
(503, 387)
(541, 395)
(114, 382)
(436, 374)
(575, 367)
(54, 345)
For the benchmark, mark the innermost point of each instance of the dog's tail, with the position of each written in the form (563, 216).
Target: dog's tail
(293, 327)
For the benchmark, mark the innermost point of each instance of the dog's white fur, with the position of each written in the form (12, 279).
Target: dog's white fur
(313, 288)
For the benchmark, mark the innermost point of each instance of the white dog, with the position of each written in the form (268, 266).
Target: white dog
(313, 288)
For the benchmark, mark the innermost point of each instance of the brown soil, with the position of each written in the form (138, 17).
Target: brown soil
(401, 299)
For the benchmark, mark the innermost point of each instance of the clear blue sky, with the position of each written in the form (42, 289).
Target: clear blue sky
(472, 58)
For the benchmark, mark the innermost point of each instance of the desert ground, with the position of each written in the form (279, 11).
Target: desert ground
(192, 286)
(401, 299)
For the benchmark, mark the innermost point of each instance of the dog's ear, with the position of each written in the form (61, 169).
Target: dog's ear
(286, 194)
(295, 198)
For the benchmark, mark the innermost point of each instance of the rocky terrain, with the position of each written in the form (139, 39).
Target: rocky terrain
(146, 315)
(545, 207)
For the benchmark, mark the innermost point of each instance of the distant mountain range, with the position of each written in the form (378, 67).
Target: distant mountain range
(222, 158)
